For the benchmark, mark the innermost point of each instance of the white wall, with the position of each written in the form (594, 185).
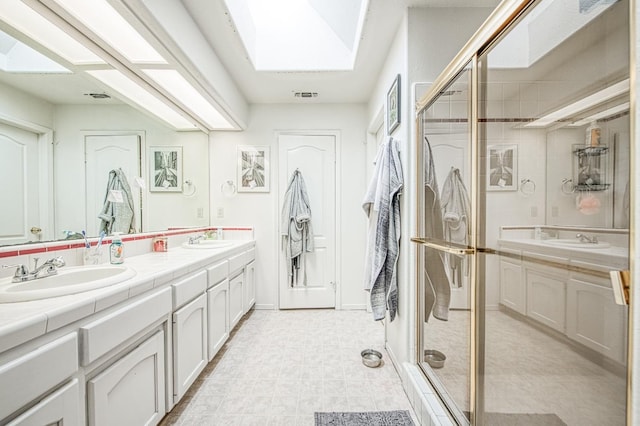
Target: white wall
(261, 210)
(162, 209)
(20, 106)
(424, 44)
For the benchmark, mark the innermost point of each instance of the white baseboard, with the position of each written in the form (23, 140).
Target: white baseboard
(265, 306)
(354, 307)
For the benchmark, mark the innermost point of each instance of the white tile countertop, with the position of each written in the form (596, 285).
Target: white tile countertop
(612, 257)
(23, 321)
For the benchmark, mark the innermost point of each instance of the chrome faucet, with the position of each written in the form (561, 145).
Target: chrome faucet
(586, 239)
(48, 268)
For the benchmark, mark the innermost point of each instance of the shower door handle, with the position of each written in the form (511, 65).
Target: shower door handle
(620, 283)
(445, 246)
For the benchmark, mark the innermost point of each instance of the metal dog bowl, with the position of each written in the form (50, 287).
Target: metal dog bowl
(371, 358)
(434, 358)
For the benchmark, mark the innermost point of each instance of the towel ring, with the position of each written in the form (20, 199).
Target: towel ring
(527, 187)
(189, 183)
(564, 186)
(228, 189)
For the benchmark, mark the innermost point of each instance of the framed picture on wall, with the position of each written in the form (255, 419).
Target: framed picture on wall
(253, 169)
(393, 106)
(165, 169)
(502, 168)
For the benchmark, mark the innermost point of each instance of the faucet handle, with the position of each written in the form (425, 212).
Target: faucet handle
(21, 271)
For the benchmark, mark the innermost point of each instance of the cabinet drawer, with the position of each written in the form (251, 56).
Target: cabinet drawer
(60, 408)
(217, 273)
(100, 336)
(249, 255)
(26, 378)
(189, 288)
(236, 262)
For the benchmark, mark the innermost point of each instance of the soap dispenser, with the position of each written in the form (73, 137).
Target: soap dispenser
(116, 250)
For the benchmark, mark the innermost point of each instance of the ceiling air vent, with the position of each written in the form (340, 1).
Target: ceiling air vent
(305, 94)
(98, 95)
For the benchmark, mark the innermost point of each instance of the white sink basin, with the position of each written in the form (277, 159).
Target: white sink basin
(208, 244)
(68, 280)
(575, 243)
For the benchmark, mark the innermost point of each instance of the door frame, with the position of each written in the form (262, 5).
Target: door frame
(338, 184)
(46, 210)
(143, 211)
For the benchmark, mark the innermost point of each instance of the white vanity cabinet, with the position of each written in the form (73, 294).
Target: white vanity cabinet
(249, 286)
(593, 317)
(124, 354)
(25, 379)
(577, 304)
(218, 307)
(513, 291)
(546, 294)
(189, 332)
(130, 392)
(62, 407)
(236, 296)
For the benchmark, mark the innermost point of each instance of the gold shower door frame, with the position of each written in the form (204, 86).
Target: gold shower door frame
(499, 21)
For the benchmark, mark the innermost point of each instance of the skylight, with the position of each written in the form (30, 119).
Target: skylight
(299, 35)
(17, 57)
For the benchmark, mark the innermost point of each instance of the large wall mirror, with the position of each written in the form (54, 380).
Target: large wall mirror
(61, 133)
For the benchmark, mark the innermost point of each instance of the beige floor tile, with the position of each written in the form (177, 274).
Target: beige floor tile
(280, 367)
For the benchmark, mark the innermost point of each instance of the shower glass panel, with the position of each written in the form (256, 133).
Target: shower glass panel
(553, 126)
(445, 228)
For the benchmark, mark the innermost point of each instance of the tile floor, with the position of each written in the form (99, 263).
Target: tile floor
(279, 367)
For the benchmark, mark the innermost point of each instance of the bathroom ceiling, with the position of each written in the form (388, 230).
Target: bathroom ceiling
(380, 26)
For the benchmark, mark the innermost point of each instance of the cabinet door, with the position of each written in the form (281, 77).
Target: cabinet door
(131, 391)
(546, 298)
(513, 292)
(249, 286)
(218, 316)
(236, 294)
(189, 345)
(60, 408)
(594, 319)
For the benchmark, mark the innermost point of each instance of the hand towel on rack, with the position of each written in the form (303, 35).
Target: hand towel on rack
(296, 229)
(118, 216)
(437, 288)
(382, 206)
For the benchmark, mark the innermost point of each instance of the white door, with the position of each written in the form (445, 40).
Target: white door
(314, 156)
(104, 153)
(19, 167)
(451, 152)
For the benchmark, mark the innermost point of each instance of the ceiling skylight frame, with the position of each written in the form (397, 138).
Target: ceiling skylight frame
(207, 117)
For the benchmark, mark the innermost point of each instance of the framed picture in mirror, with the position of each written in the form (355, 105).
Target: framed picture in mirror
(165, 169)
(502, 168)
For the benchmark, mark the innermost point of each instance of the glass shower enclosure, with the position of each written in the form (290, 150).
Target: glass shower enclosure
(523, 219)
